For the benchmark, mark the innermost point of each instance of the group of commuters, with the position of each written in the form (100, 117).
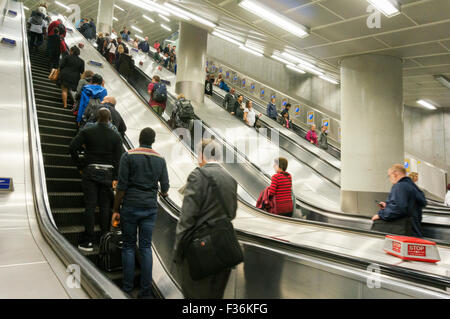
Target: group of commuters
(87, 28)
(166, 56)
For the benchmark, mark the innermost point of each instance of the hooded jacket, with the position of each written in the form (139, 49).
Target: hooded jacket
(272, 111)
(405, 199)
(90, 91)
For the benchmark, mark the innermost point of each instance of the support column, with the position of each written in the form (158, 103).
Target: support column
(191, 62)
(372, 129)
(105, 15)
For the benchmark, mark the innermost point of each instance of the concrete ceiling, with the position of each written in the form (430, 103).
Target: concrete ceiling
(420, 35)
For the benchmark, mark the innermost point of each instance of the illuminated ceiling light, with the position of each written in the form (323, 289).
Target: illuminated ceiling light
(26, 8)
(297, 59)
(226, 38)
(426, 104)
(443, 80)
(115, 19)
(139, 37)
(329, 79)
(63, 5)
(255, 46)
(165, 27)
(310, 69)
(149, 19)
(274, 17)
(163, 17)
(386, 7)
(281, 60)
(189, 15)
(250, 51)
(116, 6)
(136, 29)
(290, 66)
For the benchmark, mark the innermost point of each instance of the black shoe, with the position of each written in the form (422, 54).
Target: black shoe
(86, 246)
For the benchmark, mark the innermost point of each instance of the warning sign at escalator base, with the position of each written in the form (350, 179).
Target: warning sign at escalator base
(411, 248)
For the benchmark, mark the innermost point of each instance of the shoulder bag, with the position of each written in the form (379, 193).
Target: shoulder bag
(212, 245)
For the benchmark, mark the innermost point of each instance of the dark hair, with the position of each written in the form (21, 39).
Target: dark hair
(247, 103)
(75, 51)
(288, 105)
(147, 136)
(156, 78)
(97, 79)
(240, 96)
(282, 163)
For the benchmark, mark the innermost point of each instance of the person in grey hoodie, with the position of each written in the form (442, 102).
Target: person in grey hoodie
(323, 141)
(272, 110)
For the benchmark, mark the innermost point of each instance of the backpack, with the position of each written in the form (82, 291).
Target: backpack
(159, 93)
(37, 18)
(61, 29)
(185, 110)
(90, 113)
(110, 254)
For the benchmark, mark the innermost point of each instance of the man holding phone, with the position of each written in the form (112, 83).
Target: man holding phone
(404, 203)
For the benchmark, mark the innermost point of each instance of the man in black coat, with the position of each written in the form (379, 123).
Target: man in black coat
(200, 199)
(110, 103)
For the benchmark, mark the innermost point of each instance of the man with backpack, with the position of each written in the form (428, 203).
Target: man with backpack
(37, 26)
(158, 95)
(183, 113)
(91, 97)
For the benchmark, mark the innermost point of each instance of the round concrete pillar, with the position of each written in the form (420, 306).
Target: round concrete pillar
(191, 62)
(371, 128)
(105, 16)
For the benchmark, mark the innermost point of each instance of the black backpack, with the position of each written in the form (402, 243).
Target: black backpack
(37, 18)
(61, 29)
(159, 93)
(110, 254)
(185, 110)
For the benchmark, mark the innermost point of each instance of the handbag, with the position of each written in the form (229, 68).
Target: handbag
(401, 226)
(212, 245)
(54, 76)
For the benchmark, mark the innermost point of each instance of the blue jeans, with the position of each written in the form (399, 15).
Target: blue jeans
(130, 220)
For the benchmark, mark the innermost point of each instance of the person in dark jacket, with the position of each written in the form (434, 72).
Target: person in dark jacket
(99, 170)
(71, 68)
(208, 85)
(229, 99)
(238, 109)
(110, 103)
(323, 140)
(199, 199)
(54, 44)
(93, 29)
(144, 45)
(272, 110)
(141, 169)
(404, 200)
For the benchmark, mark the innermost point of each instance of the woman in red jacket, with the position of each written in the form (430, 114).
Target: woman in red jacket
(281, 188)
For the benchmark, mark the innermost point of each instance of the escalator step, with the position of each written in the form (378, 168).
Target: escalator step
(56, 139)
(46, 102)
(69, 118)
(62, 171)
(64, 200)
(57, 159)
(67, 185)
(74, 233)
(57, 123)
(71, 216)
(52, 109)
(39, 86)
(47, 95)
(53, 130)
(55, 148)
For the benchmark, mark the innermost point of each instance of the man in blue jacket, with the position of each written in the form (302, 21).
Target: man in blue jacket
(405, 199)
(144, 46)
(92, 91)
(272, 110)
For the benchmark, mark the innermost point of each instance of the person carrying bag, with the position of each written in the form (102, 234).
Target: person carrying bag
(212, 244)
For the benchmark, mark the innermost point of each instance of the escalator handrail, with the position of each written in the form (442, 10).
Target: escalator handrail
(96, 284)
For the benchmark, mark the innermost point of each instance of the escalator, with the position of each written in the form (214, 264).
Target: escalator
(57, 127)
